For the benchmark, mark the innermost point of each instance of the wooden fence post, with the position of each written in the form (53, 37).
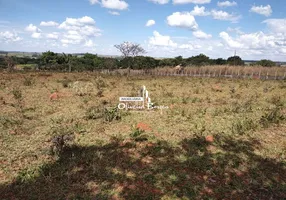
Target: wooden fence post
(276, 75)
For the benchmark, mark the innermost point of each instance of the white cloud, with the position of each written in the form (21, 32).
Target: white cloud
(114, 13)
(92, 2)
(226, 3)
(78, 31)
(252, 41)
(49, 23)
(67, 41)
(8, 36)
(235, 30)
(150, 22)
(111, 4)
(89, 43)
(114, 4)
(262, 10)
(83, 26)
(79, 22)
(53, 35)
(161, 40)
(36, 35)
(160, 1)
(191, 1)
(229, 41)
(182, 20)
(32, 28)
(276, 25)
(186, 46)
(199, 11)
(201, 35)
(222, 15)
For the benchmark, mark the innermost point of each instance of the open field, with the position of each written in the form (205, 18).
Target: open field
(219, 139)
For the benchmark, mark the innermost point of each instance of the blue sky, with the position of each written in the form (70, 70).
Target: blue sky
(256, 29)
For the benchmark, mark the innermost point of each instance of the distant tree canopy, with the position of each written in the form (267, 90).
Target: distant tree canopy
(131, 60)
(266, 63)
(235, 60)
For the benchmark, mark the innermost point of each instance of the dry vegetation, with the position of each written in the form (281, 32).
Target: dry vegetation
(230, 70)
(219, 139)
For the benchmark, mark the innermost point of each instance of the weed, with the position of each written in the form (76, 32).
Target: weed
(232, 90)
(28, 81)
(168, 94)
(196, 91)
(277, 101)
(185, 100)
(99, 93)
(26, 175)
(242, 126)
(94, 112)
(200, 128)
(111, 114)
(196, 100)
(273, 116)
(100, 83)
(138, 134)
(17, 93)
(7, 122)
(65, 83)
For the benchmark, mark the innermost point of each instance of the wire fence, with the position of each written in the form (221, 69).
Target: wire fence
(208, 74)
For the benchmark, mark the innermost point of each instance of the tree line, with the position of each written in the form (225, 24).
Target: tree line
(131, 59)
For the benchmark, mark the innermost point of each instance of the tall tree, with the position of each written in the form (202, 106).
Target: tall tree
(129, 50)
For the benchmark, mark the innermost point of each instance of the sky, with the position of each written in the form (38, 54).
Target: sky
(255, 29)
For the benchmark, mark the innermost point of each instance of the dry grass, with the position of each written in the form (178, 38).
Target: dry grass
(169, 159)
(229, 70)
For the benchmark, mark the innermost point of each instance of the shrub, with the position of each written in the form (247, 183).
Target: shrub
(59, 142)
(61, 136)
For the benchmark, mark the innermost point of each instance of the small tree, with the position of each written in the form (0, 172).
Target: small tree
(9, 62)
(235, 60)
(130, 50)
(67, 60)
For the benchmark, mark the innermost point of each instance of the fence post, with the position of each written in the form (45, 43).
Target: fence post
(276, 75)
(267, 76)
(259, 74)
